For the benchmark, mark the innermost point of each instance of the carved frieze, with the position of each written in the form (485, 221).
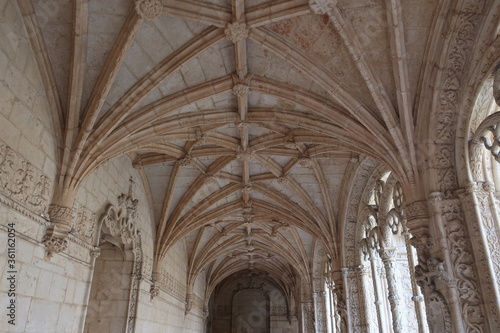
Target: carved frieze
(85, 224)
(22, 182)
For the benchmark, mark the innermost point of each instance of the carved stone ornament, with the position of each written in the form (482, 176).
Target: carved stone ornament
(185, 161)
(60, 214)
(23, 183)
(54, 244)
(121, 220)
(236, 31)
(305, 162)
(189, 303)
(240, 90)
(246, 155)
(321, 7)
(149, 9)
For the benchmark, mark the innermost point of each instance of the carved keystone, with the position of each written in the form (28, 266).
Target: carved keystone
(236, 31)
(148, 9)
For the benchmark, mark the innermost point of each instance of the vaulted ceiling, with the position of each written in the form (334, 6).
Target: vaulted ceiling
(248, 117)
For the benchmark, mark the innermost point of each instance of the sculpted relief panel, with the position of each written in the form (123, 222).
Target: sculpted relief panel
(22, 182)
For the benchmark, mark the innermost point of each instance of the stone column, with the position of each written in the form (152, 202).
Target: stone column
(417, 295)
(376, 289)
(352, 311)
(365, 315)
(388, 257)
(428, 270)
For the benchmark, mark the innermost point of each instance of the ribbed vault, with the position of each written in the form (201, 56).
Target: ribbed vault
(247, 118)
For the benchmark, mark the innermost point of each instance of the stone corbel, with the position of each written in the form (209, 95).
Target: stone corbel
(155, 286)
(189, 303)
(55, 239)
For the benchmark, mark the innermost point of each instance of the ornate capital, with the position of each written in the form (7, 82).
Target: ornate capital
(416, 210)
(387, 253)
(148, 9)
(236, 31)
(321, 7)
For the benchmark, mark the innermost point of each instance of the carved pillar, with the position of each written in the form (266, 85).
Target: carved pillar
(308, 317)
(388, 257)
(363, 275)
(482, 220)
(436, 306)
(320, 311)
(440, 231)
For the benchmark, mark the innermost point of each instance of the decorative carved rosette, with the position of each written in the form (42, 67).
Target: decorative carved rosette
(149, 9)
